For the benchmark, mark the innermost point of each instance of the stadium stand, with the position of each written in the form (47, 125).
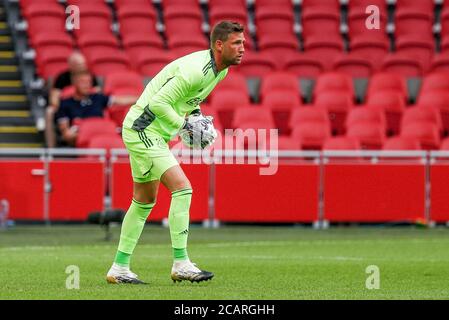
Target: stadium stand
(300, 55)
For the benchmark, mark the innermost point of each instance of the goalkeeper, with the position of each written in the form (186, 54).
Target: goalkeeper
(169, 106)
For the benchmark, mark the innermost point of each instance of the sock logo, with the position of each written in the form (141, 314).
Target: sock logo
(186, 231)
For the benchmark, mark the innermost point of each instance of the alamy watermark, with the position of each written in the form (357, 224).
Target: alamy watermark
(373, 20)
(237, 146)
(73, 20)
(73, 279)
(373, 280)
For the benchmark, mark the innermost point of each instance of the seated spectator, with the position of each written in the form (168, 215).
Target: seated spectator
(77, 63)
(84, 104)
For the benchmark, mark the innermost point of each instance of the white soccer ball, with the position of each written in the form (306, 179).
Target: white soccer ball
(202, 135)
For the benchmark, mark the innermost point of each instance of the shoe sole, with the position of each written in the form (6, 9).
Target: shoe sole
(113, 280)
(177, 279)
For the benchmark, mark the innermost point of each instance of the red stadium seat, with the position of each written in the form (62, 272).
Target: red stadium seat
(269, 3)
(222, 100)
(94, 18)
(337, 104)
(234, 82)
(278, 81)
(252, 118)
(425, 114)
(311, 135)
(191, 44)
(401, 143)
(427, 133)
(103, 63)
(342, 143)
(445, 144)
(303, 65)
(182, 19)
(46, 9)
(135, 43)
(438, 100)
(418, 47)
(170, 3)
(281, 103)
(412, 21)
(279, 47)
(25, 3)
(281, 100)
(91, 43)
(123, 83)
(392, 103)
(133, 19)
(357, 24)
(419, 6)
(52, 62)
(334, 81)
(318, 21)
(326, 50)
(373, 49)
(231, 3)
(440, 63)
(353, 65)
(90, 127)
(308, 115)
(52, 40)
(445, 22)
(402, 64)
(149, 62)
(122, 3)
(106, 141)
(256, 65)
(362, 115)
(288, 143)
(44, 18)
(444, 45)
(332, 4)
(437, 81)
(370, 135)
(278, 21)
(384, 81)
(83, 2)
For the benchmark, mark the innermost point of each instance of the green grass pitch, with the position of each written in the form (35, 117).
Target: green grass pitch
(249, 262)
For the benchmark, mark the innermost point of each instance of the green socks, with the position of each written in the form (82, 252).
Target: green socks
(136, 217)
(122, 259)
(132, 227)
(178, 220)
(180, 254)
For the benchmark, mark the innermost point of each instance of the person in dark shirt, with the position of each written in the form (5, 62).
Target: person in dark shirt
(84, 104)
(76, 63)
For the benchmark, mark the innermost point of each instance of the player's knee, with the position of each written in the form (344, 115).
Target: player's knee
(182, 185)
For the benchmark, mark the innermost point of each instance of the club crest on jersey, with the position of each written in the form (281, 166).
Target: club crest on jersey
(194, 102)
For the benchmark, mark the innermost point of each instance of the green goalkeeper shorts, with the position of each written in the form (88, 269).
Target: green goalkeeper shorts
(149, 155)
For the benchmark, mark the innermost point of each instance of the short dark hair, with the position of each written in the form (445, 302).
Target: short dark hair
(223, 29)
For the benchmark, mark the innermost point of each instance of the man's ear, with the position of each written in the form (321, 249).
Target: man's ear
(219, 45)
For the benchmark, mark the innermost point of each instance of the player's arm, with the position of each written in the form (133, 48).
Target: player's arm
(171, 92)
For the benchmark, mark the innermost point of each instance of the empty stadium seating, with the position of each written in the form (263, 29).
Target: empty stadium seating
(301, 60)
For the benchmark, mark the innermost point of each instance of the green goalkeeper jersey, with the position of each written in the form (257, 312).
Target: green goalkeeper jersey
(173, 93)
